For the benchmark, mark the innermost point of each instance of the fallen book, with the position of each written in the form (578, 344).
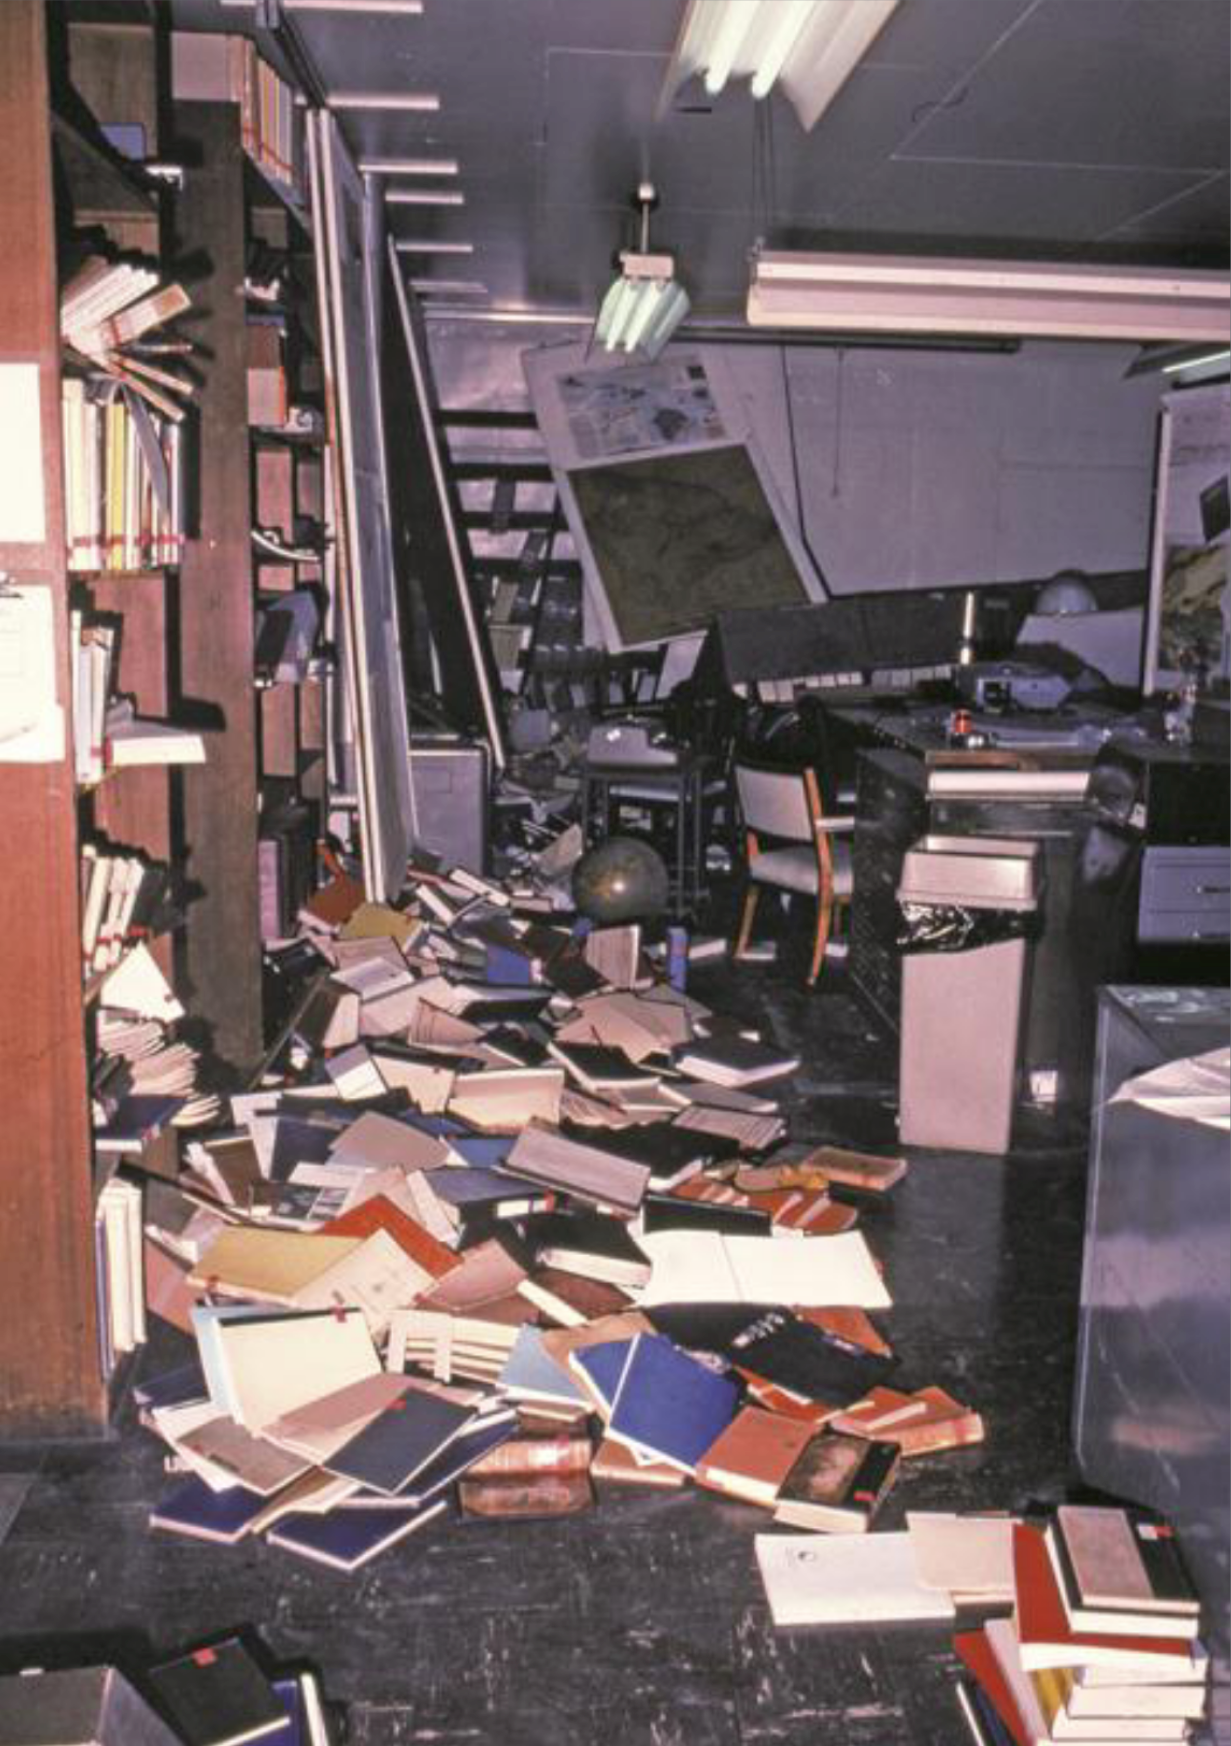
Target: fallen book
(734, 1061)
(549, 1157)
(217, 1695)
(347, 1539)
(78, 1706)
(752, 1457)
(837, 1484)
(815, 1579)
(1120, 1568)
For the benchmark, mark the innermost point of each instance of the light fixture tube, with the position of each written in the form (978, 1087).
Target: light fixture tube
(868, 293)
(408, 166)
(810, 46)
(421, 102)
(424, 197)
(426, 246)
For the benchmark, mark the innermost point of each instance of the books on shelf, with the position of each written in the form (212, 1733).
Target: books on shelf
(124, 480)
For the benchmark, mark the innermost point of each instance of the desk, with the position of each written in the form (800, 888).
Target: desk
(609, 789)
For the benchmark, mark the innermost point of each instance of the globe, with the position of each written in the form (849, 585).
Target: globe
(620, 880)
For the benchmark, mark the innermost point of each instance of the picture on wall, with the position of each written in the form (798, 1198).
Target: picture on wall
(1187, 621)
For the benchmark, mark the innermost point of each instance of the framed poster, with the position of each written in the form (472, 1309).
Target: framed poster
(670, 503)
(1186, 624)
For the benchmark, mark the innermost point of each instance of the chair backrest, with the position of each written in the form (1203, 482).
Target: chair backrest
(775, 801)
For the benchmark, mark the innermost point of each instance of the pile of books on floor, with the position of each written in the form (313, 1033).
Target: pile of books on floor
(1090, 1621)
(495, 1218)
(1102, 1644)
(217, 1694)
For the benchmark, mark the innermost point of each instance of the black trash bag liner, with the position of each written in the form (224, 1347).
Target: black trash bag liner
(951, 927)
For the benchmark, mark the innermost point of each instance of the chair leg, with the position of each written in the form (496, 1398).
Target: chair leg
(824, 917)
(746, 919)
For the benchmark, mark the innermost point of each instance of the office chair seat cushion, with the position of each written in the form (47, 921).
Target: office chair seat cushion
(795, 869)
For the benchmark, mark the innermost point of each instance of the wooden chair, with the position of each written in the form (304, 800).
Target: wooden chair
(804, 851)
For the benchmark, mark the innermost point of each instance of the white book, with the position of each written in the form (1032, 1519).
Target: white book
(137, 985)
(812, 1272)
(377, 1277)
(836, 1579)
(271, 1365)
(966, 1555)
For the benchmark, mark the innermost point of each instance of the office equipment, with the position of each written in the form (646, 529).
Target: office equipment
(450, 786)
(889, 642)
(1152, 1408)
(962, 1010)
(804, 851)
(631, 743)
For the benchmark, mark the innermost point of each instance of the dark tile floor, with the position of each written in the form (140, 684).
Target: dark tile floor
(644, 1622)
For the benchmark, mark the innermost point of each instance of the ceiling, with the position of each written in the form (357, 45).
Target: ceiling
(1050, 129)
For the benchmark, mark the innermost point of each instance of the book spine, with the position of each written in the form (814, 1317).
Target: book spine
(955, 1433)
(533, 1455)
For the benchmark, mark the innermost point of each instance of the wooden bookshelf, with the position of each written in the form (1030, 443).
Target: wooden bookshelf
(50, 1383)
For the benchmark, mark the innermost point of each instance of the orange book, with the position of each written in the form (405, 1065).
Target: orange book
(752, 1457)
(379, 1214)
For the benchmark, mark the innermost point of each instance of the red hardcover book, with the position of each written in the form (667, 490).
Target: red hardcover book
(377, 1213)
(1048, 1640)
(977, 1655)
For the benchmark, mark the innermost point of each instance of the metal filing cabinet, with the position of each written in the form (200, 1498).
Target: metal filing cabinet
(1152, 1406)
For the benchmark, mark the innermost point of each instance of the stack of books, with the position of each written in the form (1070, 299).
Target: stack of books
(1103, 1643)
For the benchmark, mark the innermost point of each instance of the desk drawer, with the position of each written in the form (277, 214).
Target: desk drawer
(1185, 894)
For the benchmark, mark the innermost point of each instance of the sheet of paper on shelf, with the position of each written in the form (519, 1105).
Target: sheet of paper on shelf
(31, 720)
(22, 517)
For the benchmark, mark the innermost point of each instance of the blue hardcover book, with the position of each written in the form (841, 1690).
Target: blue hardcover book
(668, 1405)
(347, 1539)
(289, 1694)
(469, 1446)
(394, 1446)
(482, 1150)
(602, 1365)
(531, 1374)
(192, 1508)
(171, 1387)
(467, 1185)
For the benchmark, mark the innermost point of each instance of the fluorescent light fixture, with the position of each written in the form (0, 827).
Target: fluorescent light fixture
(407, 8)
(408, 166)
(425, 246)
(422, 102)
(424, 197)
(1206, 361)
(645, 303)
(810, 47)
(870, 293)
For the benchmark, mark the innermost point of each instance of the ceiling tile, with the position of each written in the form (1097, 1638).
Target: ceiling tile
(1096, 82)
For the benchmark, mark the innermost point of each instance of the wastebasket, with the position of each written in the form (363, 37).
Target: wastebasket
(968, 905)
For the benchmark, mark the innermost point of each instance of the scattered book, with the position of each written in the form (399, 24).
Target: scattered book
(822, 1579)
(837, 1484)
(217, 1696)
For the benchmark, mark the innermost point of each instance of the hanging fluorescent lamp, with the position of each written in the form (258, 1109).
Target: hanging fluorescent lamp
(809, 47)
(877, 293)
(646, 303)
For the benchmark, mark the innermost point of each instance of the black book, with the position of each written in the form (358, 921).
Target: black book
(666, 1212)
(217, 1696)
(589, 1243)
(672, 1154)
(706, 1327)
(837, 1484)
(799, 1356)
(600, 1070)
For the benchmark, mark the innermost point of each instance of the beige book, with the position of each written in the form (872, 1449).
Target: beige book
(386, 1144)
(248, 1459)
(271, 1265)
(320, 1427)
(376, 1277)
(272, 1365)
(504, 1100)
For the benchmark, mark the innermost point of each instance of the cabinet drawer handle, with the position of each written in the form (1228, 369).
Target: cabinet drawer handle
(1213, 890)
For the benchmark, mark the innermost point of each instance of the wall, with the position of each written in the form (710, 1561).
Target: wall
(913, 468)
